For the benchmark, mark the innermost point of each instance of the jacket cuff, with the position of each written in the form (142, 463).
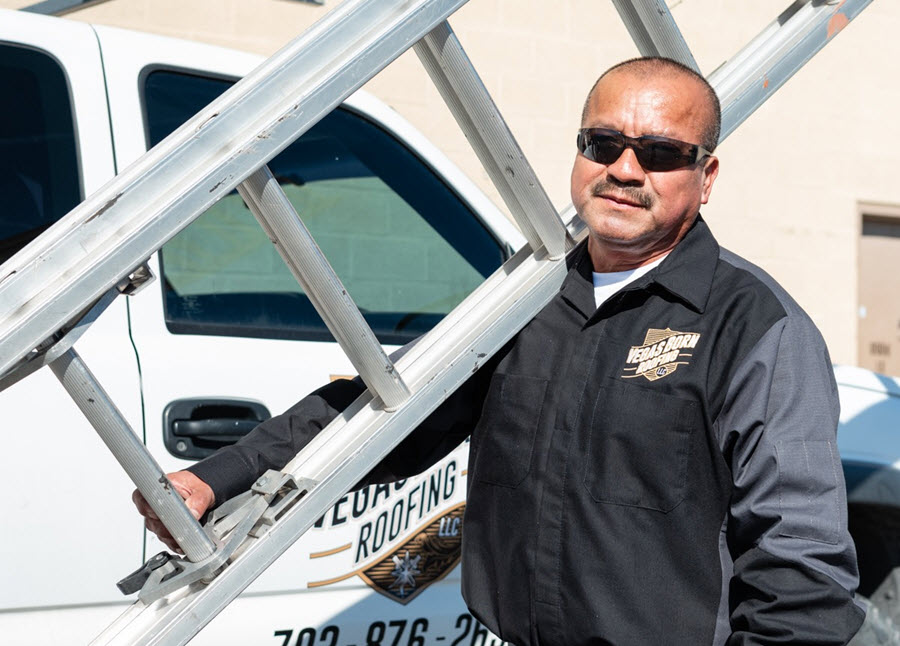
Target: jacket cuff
(226, 472)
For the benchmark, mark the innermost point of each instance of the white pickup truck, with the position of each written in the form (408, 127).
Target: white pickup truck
(224, 337)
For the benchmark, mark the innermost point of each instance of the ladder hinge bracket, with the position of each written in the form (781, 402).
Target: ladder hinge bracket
(136, 280)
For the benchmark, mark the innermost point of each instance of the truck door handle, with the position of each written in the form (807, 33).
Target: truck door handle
(197, 427)
(213, 428)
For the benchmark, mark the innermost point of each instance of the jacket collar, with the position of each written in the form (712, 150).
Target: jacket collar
(686, 273)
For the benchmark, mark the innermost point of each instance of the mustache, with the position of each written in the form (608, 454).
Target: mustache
(608, 187)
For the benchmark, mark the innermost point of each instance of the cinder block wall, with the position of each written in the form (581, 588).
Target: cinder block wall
(792, 175)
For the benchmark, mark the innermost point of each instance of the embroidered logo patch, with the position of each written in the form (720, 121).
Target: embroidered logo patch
(661, 353)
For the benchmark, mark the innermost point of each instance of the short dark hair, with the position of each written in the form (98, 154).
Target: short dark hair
(655, 64)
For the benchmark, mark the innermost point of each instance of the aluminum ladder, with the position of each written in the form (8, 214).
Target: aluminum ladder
(52, 290)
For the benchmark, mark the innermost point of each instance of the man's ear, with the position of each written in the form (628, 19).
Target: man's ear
(710, 172)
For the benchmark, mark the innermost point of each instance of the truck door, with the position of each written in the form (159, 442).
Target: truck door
(226, 337)
(69, 530)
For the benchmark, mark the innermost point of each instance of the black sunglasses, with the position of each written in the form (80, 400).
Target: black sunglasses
(654, 153)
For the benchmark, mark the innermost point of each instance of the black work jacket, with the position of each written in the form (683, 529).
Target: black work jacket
(658, 470)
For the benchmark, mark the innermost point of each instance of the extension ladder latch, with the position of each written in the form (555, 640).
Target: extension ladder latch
(136, 580)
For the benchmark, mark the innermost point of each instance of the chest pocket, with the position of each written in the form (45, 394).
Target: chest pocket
(639, 447)
(505, 434)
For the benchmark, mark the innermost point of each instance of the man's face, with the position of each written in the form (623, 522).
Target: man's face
(634, 215)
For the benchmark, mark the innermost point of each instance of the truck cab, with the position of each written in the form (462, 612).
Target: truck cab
(223, 338)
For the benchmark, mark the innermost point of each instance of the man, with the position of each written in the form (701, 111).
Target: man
(652, 457)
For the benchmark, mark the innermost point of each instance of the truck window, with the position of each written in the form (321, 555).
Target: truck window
(407, 249)
(39, 171)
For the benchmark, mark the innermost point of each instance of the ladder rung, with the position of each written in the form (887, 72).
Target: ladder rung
(490, 137)
(654, 31)
(132, 455)
(277, 216)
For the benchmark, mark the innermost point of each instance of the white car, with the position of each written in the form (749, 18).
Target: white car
(869, 444)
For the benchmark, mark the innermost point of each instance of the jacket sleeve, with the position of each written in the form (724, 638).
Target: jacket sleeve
(233, 469)
(794, 563)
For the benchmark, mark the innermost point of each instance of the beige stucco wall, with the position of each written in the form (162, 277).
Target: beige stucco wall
(791, 176)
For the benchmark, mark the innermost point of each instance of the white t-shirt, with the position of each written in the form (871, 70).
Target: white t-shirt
(608, 283)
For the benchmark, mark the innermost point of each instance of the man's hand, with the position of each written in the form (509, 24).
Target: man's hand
(198, 496)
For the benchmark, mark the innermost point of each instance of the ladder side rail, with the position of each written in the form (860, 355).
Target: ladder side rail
(470, 103)
(137, 212)
(654, 31)
(337, 26)
(105, 196)
(132, 455)
(352, 444)
(747, 80)
(277, 216)
(756, 43)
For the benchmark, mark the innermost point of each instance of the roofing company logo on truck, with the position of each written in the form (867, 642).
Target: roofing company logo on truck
(398, 538)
